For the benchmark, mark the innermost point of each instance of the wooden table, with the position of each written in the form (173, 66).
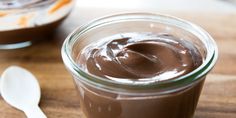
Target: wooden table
(59, 97)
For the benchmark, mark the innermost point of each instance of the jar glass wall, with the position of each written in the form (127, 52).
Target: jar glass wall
(103, 98)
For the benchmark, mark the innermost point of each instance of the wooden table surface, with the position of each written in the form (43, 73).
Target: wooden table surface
(59, 97)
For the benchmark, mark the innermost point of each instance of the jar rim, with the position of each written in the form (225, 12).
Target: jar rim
(103, 83)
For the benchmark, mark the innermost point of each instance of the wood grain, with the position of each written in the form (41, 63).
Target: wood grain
(59, 97)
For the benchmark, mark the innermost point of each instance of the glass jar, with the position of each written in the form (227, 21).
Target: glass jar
(22, 21)
(104, 98)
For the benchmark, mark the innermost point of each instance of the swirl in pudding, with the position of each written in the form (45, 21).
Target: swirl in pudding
(140, 56)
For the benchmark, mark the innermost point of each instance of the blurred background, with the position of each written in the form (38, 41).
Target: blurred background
(163, 5)
(196, 11)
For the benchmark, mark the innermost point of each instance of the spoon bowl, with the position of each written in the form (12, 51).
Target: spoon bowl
(20, 89)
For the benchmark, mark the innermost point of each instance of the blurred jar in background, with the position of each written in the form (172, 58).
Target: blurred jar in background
(24, 21)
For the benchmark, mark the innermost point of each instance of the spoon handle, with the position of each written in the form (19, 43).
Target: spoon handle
(34, 112)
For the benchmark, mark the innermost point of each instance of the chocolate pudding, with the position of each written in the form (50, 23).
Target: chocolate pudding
(139, 57)
(29, 34)
(29, 20)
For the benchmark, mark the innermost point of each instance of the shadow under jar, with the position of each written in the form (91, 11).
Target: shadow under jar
(105, 93)
(25, 21)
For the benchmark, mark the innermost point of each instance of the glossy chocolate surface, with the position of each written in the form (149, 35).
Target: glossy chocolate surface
(140, 55)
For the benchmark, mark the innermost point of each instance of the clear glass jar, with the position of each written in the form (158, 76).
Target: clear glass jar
(22, 21)
(174, 98)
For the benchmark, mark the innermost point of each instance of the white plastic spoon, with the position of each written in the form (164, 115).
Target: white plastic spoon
(20, 89)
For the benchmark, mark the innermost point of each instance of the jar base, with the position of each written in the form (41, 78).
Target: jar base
(15, 45)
